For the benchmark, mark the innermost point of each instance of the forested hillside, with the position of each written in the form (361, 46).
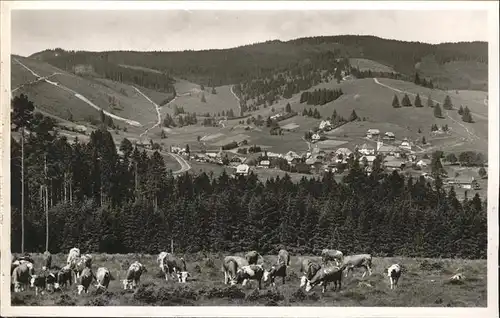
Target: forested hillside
(104, 201)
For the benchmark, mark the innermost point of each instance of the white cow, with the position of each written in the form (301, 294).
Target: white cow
(394, 273)
(21, 277)
(103, 278)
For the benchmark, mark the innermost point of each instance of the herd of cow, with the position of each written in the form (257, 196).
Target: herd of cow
(237, 270)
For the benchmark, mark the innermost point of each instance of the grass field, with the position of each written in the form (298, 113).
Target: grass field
(424, 282)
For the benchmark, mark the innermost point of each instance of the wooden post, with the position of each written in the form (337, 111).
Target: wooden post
(46, 208)
(172, 245)
(22, 190)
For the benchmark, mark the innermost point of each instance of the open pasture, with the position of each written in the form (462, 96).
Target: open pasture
(424, 282)
(365, 65)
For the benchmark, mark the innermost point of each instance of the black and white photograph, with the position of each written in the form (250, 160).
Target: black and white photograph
(277, 154)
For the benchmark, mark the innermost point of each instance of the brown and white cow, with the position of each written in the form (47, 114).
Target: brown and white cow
(103, 277)
(175, 266)
(64, 277)
(133, 277)
(308, 268)
(326, 275)
(278, 270)
(21, 276)
(328, 255)
(230, 267)
(360, 260)
(249, 272)
(252, 257)
(44, 281)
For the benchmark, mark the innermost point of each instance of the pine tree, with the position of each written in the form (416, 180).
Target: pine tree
(353, 116)
(406, 101)
(288, 108)
(437, 111)
(423, 140)
(447, 103)
(461, 110)
(203, 99)
(418, 102)
(395, 102)
(467, 116)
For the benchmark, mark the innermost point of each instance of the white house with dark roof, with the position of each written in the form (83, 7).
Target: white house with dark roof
(366, 149)
(373, 133)
(389, 136)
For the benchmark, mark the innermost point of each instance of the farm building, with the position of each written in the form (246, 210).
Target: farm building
(422, 163)
(325, 125)
(242, 170)
(146, 143)
(316, 137)
(394, 163)
(274, 155)
(264, 163)
(291, 155)
(388, 150)
(366, 149)
(466, 183)
(373, 133)
(80, 129)
(389, 136)
(345, 152)
(405, 145)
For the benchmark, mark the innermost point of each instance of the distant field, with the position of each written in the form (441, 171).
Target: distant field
(331, 143)
(227, 140)
(424, 282)
(365, 65)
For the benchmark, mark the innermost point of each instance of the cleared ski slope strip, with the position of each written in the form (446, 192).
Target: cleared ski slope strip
(79, 96)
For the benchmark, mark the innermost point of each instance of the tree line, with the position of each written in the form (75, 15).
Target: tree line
(320, 96)
(102, 200)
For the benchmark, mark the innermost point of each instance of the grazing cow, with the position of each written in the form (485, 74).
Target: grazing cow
(309, 269)
(161, 258)
(21, 277)
(283, 257)
(64, 277)
(175, 266)
(73, 256)
(278, 270)
(250, 272)
(103, 278)
(394, 272)
(331, 255)
(252, 257)
(133, 275)
(230, 267)
(39, 282)
(51, 281)
(47, 260)
(361, 260)
(457, 277)
(325, 276)
(85, 279)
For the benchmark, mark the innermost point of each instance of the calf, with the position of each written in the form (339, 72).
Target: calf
(275, 271)
(21, 277)
(103, 278)
(133, 275)
(51, 281)
(230, 267)
(283, 257)
(47, 260)
(331, 255)
(361, 260)
(252, 257)
(173, 265)
(325, 276)
(394, 272)
(309, 269)
(249, 272)
(43, 281)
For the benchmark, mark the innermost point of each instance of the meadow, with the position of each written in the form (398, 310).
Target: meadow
(424, 282)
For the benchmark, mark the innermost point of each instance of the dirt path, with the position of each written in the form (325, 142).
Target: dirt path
(157, 108)
(79, 96)
(237, 98)
(471, 135)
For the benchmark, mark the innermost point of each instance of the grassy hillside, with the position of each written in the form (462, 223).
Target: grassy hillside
(116, 98)
(206, 286)
(365, 64)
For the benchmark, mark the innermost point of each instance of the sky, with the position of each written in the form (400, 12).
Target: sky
(37, 30)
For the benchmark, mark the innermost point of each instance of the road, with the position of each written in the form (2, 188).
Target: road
(471, 135)
(185, 166)
(78, 95)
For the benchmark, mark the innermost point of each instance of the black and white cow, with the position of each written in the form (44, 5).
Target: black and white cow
(103, 277)
(360, 260)
(331, 255)
(326, 275)
(394, 273)
(308, 268)
(250, 272)
(278, 270)
(85, 279)
(230, 267)
(44, 281)
(64, 277)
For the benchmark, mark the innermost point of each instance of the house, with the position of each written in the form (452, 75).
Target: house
(405, 145)
(242, 170)
(345, 152)
(265, 163)
(389, 136)
(394, 163)
(366, 149)
(372, 133)
(325, 125)
(291, 155)
(369, 159)
(316, 137)
(466, 183)
(80, 129)
(146, 143)
(422, 163)
(388, 149)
